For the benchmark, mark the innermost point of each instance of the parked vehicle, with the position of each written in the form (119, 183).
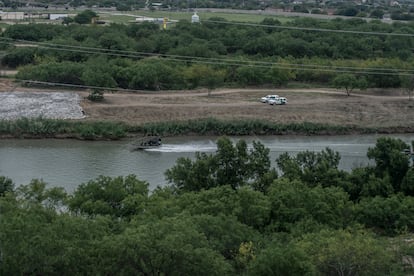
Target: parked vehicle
(278, 101)
(268, 97)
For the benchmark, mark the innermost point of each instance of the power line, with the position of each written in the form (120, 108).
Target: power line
(237, 62)
(216, 61)
(81, 86)
(307, 29)
(362, 113)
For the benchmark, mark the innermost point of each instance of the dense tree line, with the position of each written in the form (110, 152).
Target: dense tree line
(144, 56)
(225, 213)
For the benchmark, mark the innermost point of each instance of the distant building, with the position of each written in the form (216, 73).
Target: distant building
(156, 6)
(148, 19)
(395, 4)
(57, 16)
(11, 15)
(195, 18)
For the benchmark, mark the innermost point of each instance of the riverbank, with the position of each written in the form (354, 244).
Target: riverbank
(90, 130)
(312, 111)
(382, 110)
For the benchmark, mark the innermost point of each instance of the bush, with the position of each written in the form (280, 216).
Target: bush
(96, 95)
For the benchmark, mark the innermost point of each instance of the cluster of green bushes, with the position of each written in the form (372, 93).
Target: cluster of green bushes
(213, 126)
(43, 128)
(122, 55)
(225, 213)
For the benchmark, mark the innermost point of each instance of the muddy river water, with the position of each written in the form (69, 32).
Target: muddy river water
(68, 163)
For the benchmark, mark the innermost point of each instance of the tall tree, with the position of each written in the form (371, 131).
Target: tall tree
(312, 168)
(118, 197)
(390, 159)
(349, 82)
(407, 83)
(168, 246)
(85, 17)
(6, 185)
(347, 252)
(232, 165)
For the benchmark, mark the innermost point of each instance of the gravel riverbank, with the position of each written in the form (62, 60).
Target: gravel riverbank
(51, 105)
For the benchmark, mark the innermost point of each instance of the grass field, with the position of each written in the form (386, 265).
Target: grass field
(129, 16)
(184, 15)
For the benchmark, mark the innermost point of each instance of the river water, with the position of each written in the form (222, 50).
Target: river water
(68, 163)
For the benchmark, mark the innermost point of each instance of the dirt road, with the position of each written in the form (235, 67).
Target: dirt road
(364, 109)
(371, 108)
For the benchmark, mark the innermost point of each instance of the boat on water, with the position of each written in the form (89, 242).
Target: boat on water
(147, 142)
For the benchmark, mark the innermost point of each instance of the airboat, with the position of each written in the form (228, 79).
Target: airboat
(147, 142)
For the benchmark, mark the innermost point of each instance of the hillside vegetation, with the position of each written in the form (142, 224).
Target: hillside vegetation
(213, 54)
(226, 213)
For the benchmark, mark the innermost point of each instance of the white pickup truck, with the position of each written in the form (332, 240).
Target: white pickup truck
(267, 98)
(278, 101)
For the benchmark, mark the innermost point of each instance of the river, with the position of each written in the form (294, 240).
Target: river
(68, 163)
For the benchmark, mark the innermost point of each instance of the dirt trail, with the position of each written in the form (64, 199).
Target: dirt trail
(367, 109)
(371, 108)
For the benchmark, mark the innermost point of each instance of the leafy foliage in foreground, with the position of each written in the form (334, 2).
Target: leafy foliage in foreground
(311, 219)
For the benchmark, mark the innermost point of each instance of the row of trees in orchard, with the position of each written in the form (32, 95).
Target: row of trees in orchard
(210, 54)
(224, 213)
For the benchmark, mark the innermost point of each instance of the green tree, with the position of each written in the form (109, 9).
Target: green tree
(59, 72)
(347, 252)
(377, 13)
(151, 74)
(251, 208)
(98, 78)
(118, 197)
(232, 165)
(224, 232)
(213, 79)
(407, 185)
(37, 193)
(247, 75)
(377, 186)
(407, 83)
(349, 82)
(203, 76)
(143, 30)
(391, 216)
(312, 168)
(171, 246)
(279, 77)
(390, 159)
(294, 205)
(67, 20)
(348, 11)
(281, 259)
(85, 17)
(6, 185)
(38, 240)
(33, 32)
(115, 41)
(19, 56)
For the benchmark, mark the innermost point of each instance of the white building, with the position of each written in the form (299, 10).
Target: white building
(11, 15)
(195, 18)
(57, 16)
